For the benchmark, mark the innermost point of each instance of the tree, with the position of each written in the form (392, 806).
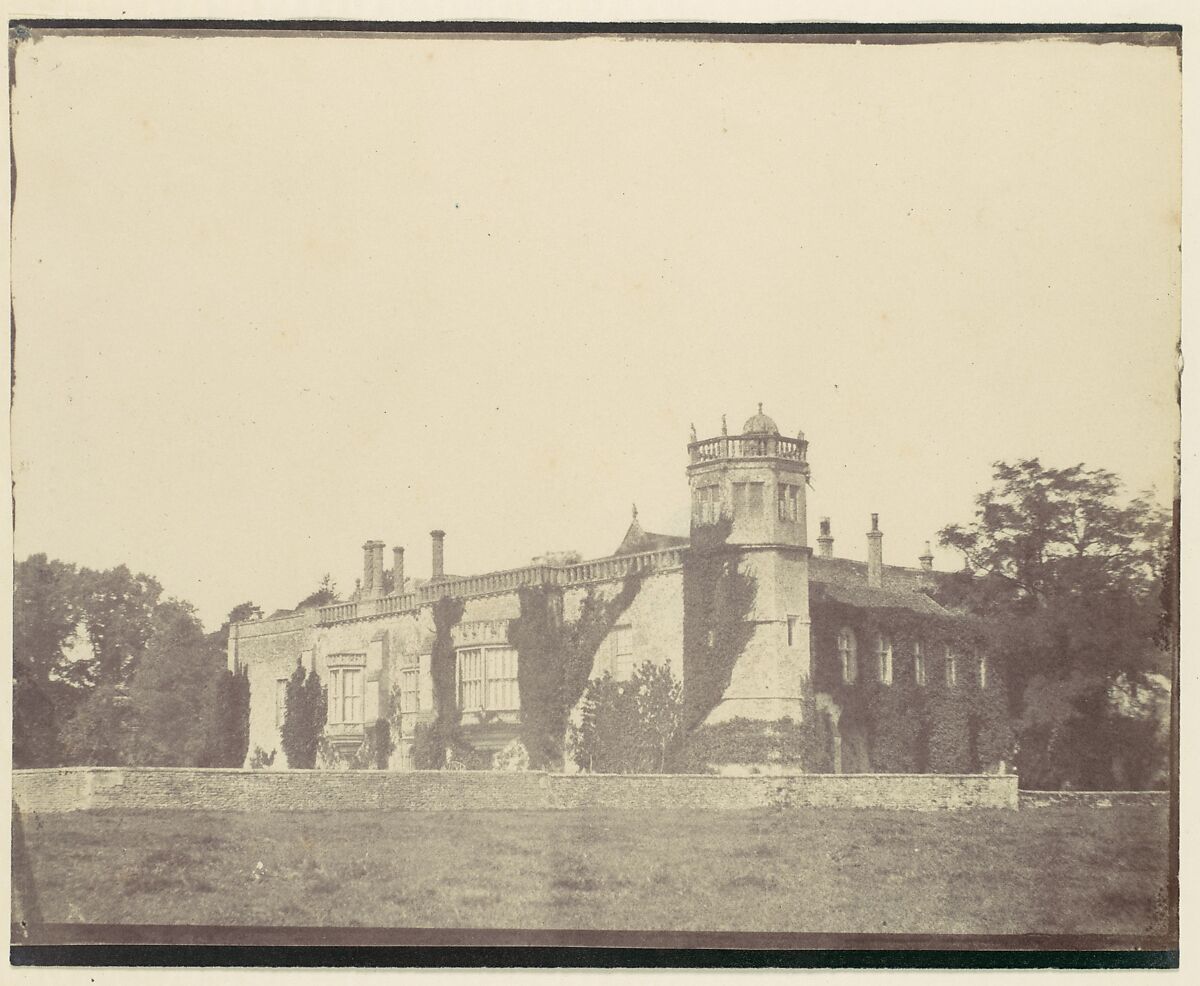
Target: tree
(176, 693)
(325, 594)
(629, 726)
(45, 618)
(232, 741)
(117, 609)
(303, 718)
(106, 672)
(1070, 574)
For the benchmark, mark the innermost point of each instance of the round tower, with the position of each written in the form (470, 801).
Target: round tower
(748, 501)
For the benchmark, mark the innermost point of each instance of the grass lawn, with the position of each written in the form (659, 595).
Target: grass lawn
(1055, 870)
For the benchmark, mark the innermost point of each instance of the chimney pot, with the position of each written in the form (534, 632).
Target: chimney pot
(825, 541)
(926, 559)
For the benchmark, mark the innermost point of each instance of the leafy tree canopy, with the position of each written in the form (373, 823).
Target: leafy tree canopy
(1071, 574)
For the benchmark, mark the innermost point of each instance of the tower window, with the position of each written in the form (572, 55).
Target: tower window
(748, 499)
(848, 652)
(708, 504)
(789, 502)
(756, 499)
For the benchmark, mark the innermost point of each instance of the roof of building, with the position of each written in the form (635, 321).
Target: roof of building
(637, 540)
(845, 581)
(760, 424)
(868, 597)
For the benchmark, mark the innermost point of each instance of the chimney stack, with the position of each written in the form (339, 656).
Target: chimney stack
(372, 583)
(875, 554)
(398, 571)
(439, 554)
(825, 541)
(926, 559)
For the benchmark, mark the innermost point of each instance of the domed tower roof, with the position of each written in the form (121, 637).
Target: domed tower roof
(760, 424)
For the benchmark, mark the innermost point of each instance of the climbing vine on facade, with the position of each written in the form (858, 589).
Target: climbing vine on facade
(432, 740)
(718, 605)
(555, 657)
(929, 717)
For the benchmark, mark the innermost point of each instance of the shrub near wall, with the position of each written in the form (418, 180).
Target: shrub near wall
(909, 727)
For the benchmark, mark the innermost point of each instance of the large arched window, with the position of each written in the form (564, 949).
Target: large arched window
(848, 652)
(883, 658)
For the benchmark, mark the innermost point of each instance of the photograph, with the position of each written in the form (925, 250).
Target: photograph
(550, 493)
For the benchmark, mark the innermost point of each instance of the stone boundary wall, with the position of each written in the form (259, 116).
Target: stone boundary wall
(1094, 799)
(75, 788)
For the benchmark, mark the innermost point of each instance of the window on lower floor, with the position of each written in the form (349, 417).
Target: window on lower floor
(410, 696)
(345, 691)
(487, 679)
(848, 653)
(883, 654)
(280, 701)
(470, 678)
(622, 652)
(918, 663)
(951, 668)
(983, 671)
(500, 690)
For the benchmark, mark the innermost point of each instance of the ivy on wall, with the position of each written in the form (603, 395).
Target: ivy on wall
(805, 745)
(718, 600)
(555, 657)
(432, 740)
(906, 726)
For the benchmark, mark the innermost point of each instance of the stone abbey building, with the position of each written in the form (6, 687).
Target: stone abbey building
(898, 682)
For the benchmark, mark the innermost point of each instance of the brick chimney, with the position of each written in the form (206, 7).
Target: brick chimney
(825, 541)
(875, 554)
(926, 559)
(397, 571)
(439, 554)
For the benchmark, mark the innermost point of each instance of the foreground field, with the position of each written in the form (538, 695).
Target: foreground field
(1047, 871)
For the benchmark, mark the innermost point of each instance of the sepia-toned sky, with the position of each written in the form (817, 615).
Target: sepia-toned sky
(276, 296)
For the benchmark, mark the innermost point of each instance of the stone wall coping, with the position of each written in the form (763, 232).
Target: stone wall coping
(59, 789)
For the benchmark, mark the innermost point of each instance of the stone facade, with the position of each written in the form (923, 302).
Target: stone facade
(67, 789)
(373, 652)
